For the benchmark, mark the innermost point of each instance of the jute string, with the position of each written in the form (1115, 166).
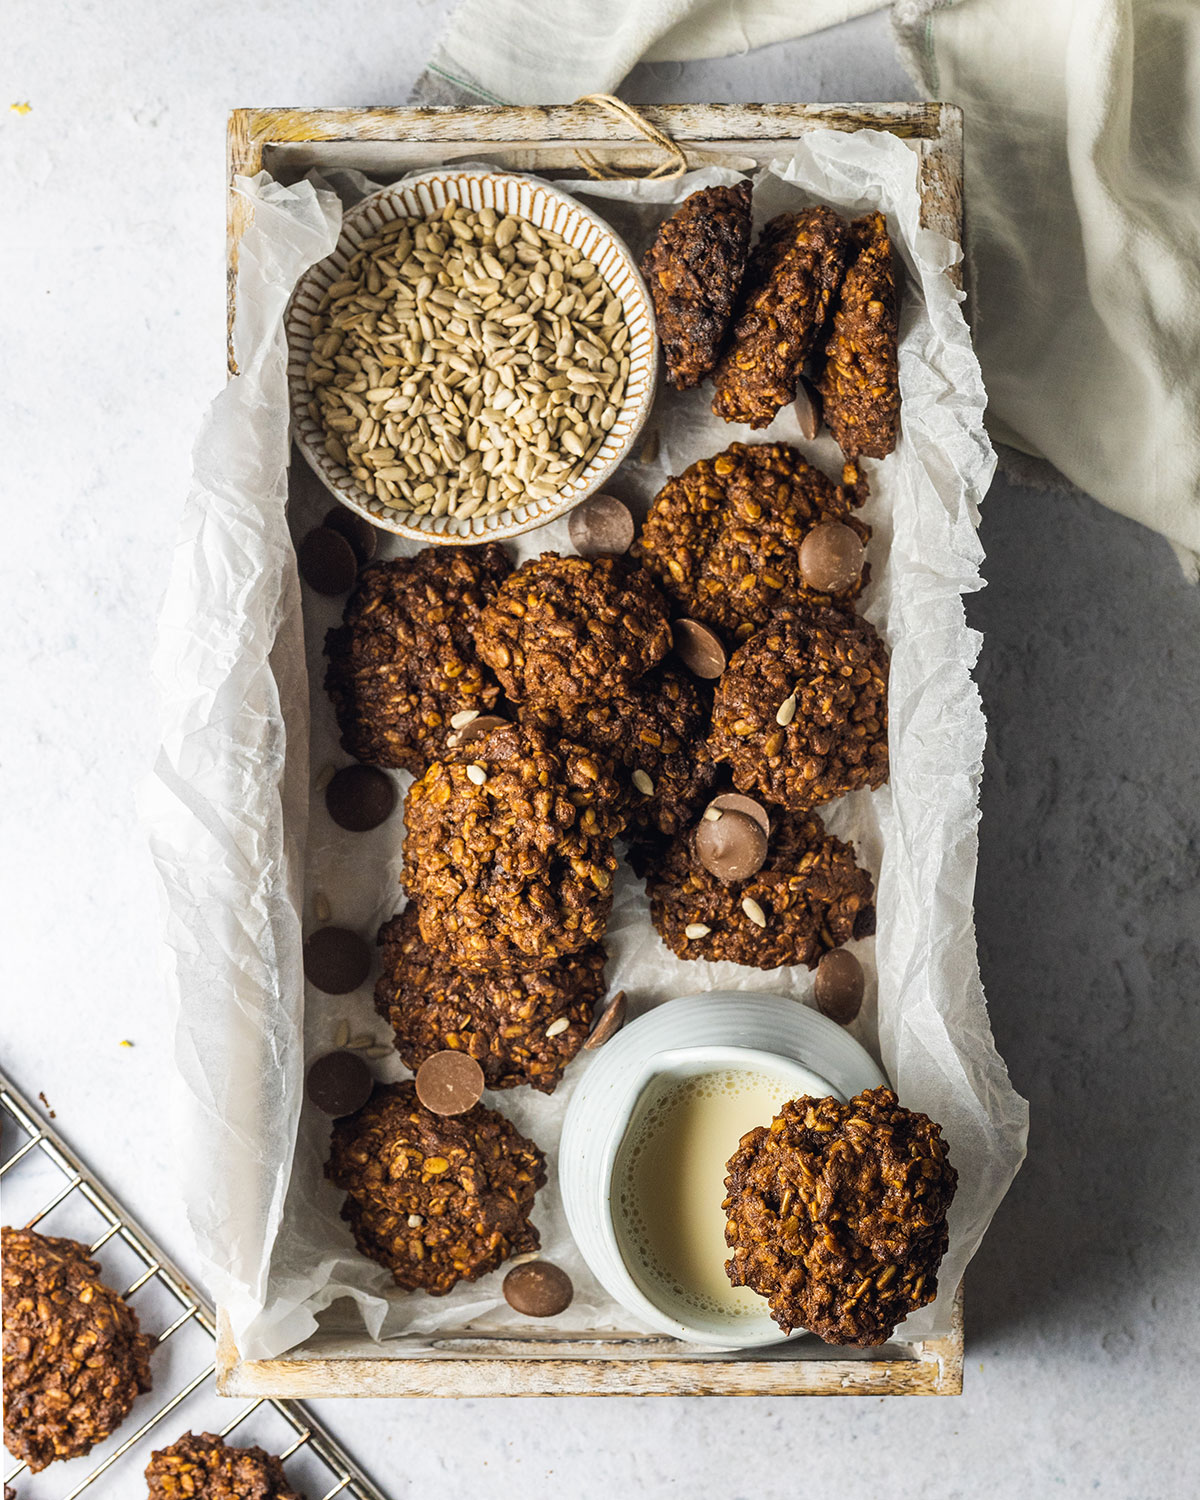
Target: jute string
(675, 165)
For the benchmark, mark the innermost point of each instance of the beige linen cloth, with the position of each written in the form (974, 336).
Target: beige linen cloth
(1082, 196)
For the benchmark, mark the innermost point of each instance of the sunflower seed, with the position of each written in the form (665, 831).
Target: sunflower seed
(755, 912)
(696, 930)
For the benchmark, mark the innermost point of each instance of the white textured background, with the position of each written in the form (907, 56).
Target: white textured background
(1082, 1311)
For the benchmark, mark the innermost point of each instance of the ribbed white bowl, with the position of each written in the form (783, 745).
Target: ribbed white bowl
(545, 207)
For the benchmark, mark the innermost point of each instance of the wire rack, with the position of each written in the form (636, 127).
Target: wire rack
(312, 1457)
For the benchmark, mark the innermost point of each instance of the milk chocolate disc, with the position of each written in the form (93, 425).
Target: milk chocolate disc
(839, 986)
(610, 1021)
(449, 1083)
(732, 847)
(601, 524)
(831, 557)
(476, 729)
(360, 798)
(327, 562)
(736, 802)
(538, 1289)
(699, 648)
(808, 410)
(339, 1083)
(361, 535)
(336, 960)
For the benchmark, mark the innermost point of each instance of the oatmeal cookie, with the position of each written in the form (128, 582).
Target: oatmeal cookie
(694, 270)
(208, 1468)
(723, 538)
(793, 274)
(655, 729)
(437, 1199)
(860, 384)
(509, 852)
(74, 1359)
(800, 714)
(836, 1213)
(810, 894)
(509, 1020)
(404, 662)
(563, 629)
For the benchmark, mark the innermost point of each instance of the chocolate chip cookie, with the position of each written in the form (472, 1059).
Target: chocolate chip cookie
(564, 629)
(205, 1467)
(74, 1358)
(809, 896)
(523, 1026)
(860, 383)
(836, 1214)
(694, 271)
(437, 1199)
(794, 272)
(800, 715)
(509, 853)
(404, 662)
(723, 538)
(654, 730)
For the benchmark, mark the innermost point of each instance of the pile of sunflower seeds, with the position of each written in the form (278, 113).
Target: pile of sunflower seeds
(465, 364)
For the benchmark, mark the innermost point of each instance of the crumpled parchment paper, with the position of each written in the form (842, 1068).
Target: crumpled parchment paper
(243, 843)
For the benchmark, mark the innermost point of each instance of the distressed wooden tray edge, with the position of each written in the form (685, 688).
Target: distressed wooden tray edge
(544, 1367)
(586, 1366)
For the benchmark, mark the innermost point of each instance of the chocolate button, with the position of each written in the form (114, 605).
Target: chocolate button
(361, 535)
(839, 986)
(449, 1083)
(360, 798)
(600, 525)
(339, 1083)
(736, 802)
(327, 562)
(699, 648)
(808, 410)
(731, 847)
(831, 557)
(475, 730)
(538, 1289)
(336, 960)
(612, 1018)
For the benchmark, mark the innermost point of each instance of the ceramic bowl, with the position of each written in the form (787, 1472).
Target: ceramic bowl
(545, 207)
(685, 1037)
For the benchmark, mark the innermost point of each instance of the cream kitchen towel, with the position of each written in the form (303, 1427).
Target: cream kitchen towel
(552, 51)
(1082, 195)
(1083, 229)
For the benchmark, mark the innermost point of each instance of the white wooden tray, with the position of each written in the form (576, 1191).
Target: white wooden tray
(385, 143)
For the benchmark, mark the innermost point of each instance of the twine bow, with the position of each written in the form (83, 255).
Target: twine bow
(675, 165)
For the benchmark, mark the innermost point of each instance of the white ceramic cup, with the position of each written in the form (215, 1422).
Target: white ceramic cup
(685, 1038)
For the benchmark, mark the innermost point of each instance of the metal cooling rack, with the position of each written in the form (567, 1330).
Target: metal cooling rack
(324, 1459)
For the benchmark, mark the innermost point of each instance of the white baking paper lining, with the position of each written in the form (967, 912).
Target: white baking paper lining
(243, 844)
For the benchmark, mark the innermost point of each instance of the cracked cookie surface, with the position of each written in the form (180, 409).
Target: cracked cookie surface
(564, 629)
(511, 1021)
(509, 853)
(654, 730)
(74, 1358)
(694, 270)
(793, 274)
(404, 662)
(723, 538)
(437, 1199)
(800, 714)
(810, 896)
(860, 382)
(836, 1214)
(204, 1467)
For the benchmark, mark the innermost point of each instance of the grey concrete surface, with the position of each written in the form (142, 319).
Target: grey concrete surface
(1082, 1307)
